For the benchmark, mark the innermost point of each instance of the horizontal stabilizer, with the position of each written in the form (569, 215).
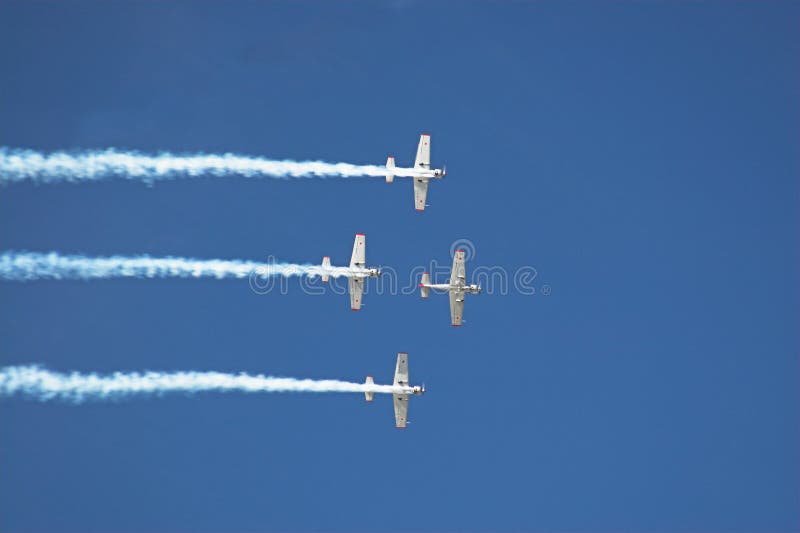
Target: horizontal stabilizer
(423, 286)
(326, 263)
(390, 169)
(369, 395)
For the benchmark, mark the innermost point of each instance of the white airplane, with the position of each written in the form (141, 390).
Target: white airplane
(358, 263)
(401, 384)
(421, 172)
(457, 287)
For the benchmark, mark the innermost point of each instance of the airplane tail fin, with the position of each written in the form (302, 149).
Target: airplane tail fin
(326, 263)
(390, 169)
(369, 395)
(423, 289)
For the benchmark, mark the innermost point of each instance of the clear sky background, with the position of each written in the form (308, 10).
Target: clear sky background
(642, 156)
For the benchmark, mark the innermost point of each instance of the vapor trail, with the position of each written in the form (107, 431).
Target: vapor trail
(17, 165)
(36, 382)
(28, 266)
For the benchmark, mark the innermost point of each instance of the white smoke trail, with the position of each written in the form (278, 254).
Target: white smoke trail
(18, 165)
(28, 266)
(42, 384)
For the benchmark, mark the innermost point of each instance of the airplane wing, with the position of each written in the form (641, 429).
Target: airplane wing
(401, 400)
(420, 193)
(456, 307)
(423, 152)
(358, 259)
(459, 271)
(356, 290)
(400, 410)
(401, 370)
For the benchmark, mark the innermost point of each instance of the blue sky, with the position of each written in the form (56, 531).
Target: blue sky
(642, 156)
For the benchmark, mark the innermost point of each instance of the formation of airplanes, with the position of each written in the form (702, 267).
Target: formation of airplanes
(358, 273)
(457, 287)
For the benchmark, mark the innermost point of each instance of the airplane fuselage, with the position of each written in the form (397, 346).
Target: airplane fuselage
(368, 273)
(418, 172)
(447, 287)
(405, 389)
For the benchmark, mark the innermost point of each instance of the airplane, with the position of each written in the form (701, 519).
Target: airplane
(457, 287)
(401, 384)
(358, 263)
(421, 172)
